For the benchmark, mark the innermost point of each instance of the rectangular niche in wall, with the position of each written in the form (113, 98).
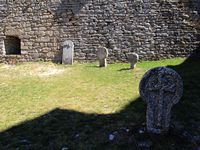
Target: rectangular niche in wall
(12, 45)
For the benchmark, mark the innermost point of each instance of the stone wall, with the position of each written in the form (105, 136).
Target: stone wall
(155, 29)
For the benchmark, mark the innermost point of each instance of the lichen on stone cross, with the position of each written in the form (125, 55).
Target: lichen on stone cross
(102, 54)
(160, 88)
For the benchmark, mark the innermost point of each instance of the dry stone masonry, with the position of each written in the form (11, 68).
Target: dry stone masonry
(160, 88)
(153, 29)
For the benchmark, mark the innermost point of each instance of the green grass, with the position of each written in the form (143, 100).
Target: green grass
(52, 106)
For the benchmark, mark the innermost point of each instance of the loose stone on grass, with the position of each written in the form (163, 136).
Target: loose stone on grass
(160, 88)
(68, 52)
(102, 54)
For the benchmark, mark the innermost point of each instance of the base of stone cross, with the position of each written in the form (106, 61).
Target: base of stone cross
(102, 63)
(157, 131)
(133, 65)
(67, 62)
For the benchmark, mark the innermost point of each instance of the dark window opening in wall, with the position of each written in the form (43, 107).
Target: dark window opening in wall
(12, 45)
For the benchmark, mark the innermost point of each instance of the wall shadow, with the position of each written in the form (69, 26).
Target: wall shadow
(68, 10)
(67, 128)
(67, 19)
(187, 110)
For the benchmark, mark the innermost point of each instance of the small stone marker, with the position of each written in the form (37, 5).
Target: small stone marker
(160, 88)
(102, 54)
(133, 59)
(68, 52)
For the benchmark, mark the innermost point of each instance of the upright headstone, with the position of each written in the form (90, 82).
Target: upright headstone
(160, 88)
(102, 54)
(133, 59)
(68, 52)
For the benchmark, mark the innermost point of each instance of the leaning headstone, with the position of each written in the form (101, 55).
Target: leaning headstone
(102, 54)
(160, 88)
(133, 59)
(68, 52)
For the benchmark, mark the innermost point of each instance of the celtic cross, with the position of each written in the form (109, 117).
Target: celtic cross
(160, 88)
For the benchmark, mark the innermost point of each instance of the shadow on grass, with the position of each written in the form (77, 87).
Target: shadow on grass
(66, 128)
(125, 69)
(74, 130)
(93, 66)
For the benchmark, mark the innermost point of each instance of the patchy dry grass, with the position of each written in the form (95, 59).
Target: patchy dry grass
(73, 97)
(31, 70)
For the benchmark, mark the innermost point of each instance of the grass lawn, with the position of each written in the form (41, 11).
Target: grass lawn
(44, 106)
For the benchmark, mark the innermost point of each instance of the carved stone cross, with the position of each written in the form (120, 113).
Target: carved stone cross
(133, 59)
(68, 52)
(160, 88)
(102, 54)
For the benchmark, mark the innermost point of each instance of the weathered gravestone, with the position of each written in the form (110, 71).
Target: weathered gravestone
(68, 52)
(160, 88)
(133, 59)
(102, 54)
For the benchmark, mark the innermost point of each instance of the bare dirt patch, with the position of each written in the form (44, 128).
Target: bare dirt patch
(36, 69)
